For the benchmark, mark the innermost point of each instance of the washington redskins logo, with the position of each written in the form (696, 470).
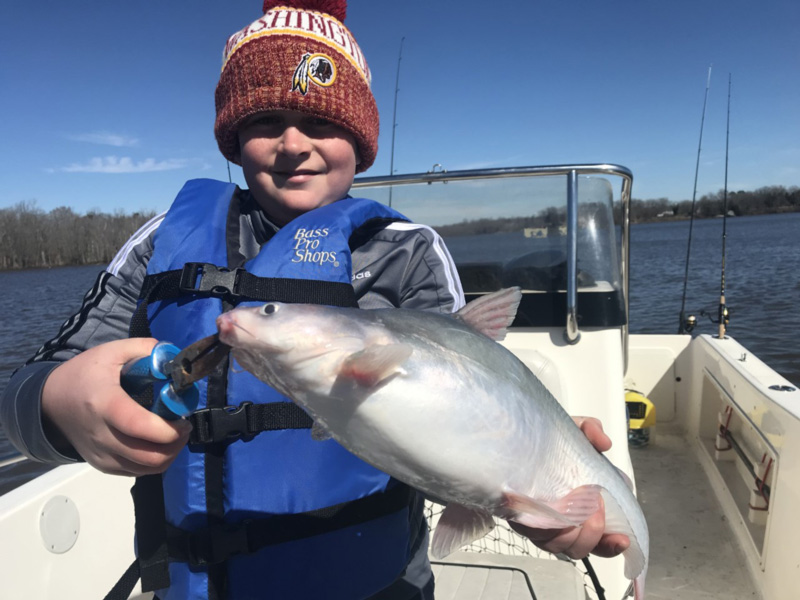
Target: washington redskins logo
(316, 68)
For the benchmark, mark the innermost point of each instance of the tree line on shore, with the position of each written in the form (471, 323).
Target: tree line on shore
(32, 238)
(763, 201)
(552, 220)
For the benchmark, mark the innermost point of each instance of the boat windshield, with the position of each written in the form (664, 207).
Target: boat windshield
(513, 231)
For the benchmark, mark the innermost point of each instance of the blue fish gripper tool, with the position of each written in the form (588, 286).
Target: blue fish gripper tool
(153, 375)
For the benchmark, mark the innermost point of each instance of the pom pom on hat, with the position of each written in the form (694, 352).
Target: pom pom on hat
(299, 56)
(335, 8)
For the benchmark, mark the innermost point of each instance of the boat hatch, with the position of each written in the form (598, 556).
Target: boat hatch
(540, 228)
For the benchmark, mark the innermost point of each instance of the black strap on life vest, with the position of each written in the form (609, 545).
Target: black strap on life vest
(218, 424)
(214, 545)
(152, 562)
(205, 280)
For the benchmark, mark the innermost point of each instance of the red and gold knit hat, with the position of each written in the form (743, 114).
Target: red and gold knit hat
(298, 56)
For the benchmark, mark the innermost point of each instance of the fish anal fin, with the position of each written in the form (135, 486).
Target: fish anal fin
(374, 364)
(459, 525)
(569, 511)
(580, 504)
(493, 313)
(527, 511)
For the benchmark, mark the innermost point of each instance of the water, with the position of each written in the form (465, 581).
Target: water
(762, 282)
(762, 292)
(35, 304)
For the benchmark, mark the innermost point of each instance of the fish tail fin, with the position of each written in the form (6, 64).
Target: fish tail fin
(638, 585)
(459, 525)
(635, 555)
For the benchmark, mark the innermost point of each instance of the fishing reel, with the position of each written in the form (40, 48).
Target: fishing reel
(688, 324)
(723, 315)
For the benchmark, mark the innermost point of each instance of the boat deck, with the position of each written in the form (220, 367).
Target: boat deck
(693, 552)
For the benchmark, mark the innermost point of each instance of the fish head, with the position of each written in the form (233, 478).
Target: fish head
(291, 346)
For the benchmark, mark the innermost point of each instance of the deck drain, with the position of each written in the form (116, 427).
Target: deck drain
(59, 524)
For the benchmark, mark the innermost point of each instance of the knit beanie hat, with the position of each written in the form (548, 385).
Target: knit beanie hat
(298, 56)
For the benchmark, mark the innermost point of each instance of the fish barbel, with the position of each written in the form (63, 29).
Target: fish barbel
(437, 403)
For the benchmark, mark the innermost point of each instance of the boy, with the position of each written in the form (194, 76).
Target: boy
(252, 506)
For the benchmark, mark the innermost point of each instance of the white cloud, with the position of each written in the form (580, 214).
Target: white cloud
(123, 164)
(105, 138)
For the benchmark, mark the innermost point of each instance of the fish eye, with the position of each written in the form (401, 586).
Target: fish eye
(269, 309)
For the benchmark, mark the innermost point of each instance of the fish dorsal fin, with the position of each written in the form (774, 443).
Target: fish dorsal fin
(493, 313)
(457, 526)
(374, 364)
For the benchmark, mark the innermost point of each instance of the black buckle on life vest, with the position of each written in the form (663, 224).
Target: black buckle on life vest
(211, 280)
(218, 424)
(217, 544)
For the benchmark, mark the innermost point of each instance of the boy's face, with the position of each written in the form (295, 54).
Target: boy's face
(294, 162)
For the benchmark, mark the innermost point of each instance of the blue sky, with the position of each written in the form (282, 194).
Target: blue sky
(109, 105)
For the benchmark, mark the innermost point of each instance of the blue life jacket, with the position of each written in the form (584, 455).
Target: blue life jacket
(266, 511)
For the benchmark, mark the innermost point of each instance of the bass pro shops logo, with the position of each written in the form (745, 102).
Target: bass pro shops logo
(316, 68)
(307, 248)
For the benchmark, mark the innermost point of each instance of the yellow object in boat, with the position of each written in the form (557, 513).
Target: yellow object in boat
(641, 412)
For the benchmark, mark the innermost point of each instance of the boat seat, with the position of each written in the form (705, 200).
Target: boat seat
(473, 576)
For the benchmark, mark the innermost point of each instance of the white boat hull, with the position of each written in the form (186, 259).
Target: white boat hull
(66, 535)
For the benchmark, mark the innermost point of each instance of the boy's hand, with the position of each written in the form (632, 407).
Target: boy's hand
(579, 542)
(82, 401)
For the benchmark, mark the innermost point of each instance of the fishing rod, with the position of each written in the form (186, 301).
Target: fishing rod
(682, 327)
(394, 114)
(723, 315)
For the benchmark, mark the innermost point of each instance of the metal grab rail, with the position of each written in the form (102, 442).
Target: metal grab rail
(13, 460)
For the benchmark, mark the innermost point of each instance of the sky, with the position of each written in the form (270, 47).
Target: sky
(109, 106)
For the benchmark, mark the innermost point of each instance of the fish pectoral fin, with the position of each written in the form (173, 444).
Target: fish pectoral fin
(493, 313)
(459, 525)
(319, 433)
(374, 364)
(570, 511)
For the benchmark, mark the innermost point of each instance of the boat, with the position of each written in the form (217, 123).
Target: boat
(716, 476)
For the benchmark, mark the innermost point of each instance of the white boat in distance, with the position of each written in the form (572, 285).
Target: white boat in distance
(718, 480)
